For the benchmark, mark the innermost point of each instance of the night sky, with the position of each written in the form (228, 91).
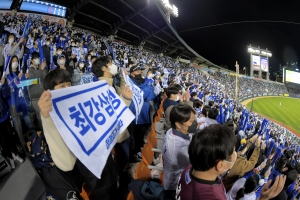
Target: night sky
(225, 44)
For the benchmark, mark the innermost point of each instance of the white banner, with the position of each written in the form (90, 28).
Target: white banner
(90, 118)
(76, 51)
(137, 95)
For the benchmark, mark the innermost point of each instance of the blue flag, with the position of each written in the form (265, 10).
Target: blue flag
(245, 123)
(51, 57)
(23, 63)
(6, 65)
(27, 27)
(40, 51)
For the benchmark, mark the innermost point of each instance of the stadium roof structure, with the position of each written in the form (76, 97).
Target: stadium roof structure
(138, 22)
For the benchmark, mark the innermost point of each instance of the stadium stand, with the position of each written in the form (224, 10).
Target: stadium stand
(216, 145)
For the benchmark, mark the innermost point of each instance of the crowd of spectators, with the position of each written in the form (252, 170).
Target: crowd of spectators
(213, 147)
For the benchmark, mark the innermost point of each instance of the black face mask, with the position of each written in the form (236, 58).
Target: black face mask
(138, 77)
(193, 128)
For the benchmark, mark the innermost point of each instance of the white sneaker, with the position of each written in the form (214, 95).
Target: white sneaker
(18, 158)
(12, 163)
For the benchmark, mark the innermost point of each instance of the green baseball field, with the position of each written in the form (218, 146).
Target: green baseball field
(282, 110)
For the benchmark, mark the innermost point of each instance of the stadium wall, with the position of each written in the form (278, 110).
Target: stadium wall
(243, 98)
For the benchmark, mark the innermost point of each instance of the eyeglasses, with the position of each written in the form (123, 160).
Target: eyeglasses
(234, 159)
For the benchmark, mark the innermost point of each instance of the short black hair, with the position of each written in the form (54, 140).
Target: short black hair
(213, 113)
(177, 86)
(197, 103)
(180, 113)
(291, 176)
(98, 64)
(211, 145)
(193, 94)
(249, 186)
(35, 55)
(55, 77)
(171, 90)
(205, 110)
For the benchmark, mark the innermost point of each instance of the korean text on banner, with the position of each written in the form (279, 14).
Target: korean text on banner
(137, 96)
(89, 118)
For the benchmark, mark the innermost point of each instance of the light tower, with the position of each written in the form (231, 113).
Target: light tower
(259, 60)
(169, 9)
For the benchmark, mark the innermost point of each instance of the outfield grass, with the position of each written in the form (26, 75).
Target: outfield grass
(288, 113)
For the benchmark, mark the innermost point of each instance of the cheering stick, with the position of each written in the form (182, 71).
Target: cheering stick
(6, 65)
(40, 51)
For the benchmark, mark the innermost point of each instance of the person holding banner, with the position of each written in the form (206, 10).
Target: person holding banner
(105, 70)
(38, 71)
(143, 118)
(65, 161)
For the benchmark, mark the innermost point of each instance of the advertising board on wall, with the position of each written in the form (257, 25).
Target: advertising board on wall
(256, 62)
(264, 64)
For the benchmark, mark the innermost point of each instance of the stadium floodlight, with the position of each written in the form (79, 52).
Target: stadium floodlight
(171, 9)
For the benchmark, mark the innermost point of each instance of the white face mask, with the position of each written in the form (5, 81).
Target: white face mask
(81, 65)
(151, 75)
(113, 69)
(62, 62)
(14, 65)
(59, 52)
(10, 41)
(177, 98)
(47, 43)
(36, 61)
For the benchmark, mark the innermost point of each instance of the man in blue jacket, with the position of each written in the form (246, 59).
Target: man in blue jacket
(140, 127)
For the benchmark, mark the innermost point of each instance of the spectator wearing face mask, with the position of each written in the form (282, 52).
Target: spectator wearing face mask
(58, 52)
(46, 51)
(210, 119)
(11, 49)
(176, 142)
(149, 78)
(78, 71)
(104, 69)
(61, 61)
(143, 122)
(37, 71)
(19, 98)
(35, 47)
(242, 164)
(61, 40)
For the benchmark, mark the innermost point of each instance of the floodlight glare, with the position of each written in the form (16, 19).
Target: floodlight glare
(175, 10)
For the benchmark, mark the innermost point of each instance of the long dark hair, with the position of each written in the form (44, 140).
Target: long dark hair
(10, 63)
(250, 185)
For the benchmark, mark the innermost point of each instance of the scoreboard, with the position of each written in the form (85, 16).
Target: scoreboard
(43, 7)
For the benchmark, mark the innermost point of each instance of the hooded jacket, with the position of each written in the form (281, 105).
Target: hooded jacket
(35, 91)
(143, 117)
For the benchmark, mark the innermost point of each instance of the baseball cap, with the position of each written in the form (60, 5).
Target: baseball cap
(135, 68)
(61, 56)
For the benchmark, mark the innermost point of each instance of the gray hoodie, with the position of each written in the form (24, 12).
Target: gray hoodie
(35, 91)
